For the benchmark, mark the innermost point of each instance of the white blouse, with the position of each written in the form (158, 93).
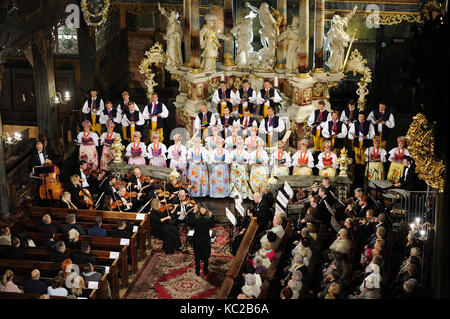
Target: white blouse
(320, 160)
(92, 135)
(274, 159)
(161, 146)
(309, 156)
(141, 145)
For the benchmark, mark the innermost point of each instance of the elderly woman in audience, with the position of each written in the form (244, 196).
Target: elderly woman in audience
(333, 290)
(252, 287)
(342, 243)
(299, 262)
(369, 253)
(410, 290)
(333, 277)
(260, 269)
(7, 284)
(370, 288)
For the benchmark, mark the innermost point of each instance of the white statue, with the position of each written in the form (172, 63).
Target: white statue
(243, 32)
(150, 83)
(209, 42)
(337, 40)
(173, 36)
(268, 31)
(292, 35)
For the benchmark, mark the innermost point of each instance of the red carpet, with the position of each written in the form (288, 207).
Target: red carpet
(173, 276)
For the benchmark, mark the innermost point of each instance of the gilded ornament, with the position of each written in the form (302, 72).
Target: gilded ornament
(306, 96)
(200, 90)
(88, 15)
(318, 89)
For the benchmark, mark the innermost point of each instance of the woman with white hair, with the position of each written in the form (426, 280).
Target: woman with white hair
(88, 142)
(341, 244)
(177, 154)
(239, 171)
(136, 151)
(252, 287)
(198, 170)
(219, 171)
(259, 172)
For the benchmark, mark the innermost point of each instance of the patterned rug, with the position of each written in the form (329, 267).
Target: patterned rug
(173, 276)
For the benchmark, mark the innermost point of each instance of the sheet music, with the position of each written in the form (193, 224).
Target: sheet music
(230, 216)
(282, 199)
(240, 209)
(334, 222)
(288, 190)
(278, 209)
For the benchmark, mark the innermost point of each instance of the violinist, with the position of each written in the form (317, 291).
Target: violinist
(126, 201)
(109, 187)
(66, 201)
(87, 180)
(138, 181)
(74, 189)
(163, 228)
(181, 206)
(174, 185)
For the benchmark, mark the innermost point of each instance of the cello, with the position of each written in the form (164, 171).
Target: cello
(51, 187)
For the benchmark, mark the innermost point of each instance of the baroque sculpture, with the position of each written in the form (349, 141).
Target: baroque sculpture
(337, 39)
(209, 42)
(292, 34)
(243, 32)
(173, 37)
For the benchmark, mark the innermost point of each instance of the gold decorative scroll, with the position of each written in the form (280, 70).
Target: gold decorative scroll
(184, 118)
(420, 141)
(396, 18)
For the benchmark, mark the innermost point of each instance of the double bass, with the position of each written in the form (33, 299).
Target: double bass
(51, 187)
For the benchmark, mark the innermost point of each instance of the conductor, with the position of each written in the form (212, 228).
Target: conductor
(201, 238)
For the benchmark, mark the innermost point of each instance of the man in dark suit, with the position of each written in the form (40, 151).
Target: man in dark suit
(97, 229)
(71, 223)
(35, 286)
(201, 238)
(38, 158)
(47, 225)
(84, 256)
(322, 213)
(409, 179)
(261, 211)
(122, 230)
(15, 251)
(59, 254)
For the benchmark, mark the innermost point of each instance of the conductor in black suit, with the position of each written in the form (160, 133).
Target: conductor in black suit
(409, 179)
(202, 223)
(261, 211)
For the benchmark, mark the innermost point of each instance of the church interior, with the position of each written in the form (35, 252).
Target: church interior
(224, 149)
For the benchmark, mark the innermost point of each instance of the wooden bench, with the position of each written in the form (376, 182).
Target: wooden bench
(280, 251)
(238, 261)
(16, 295)
(89, 215)
(50, 269)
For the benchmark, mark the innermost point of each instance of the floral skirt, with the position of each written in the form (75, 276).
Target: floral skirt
(327, 172)
(302, 171)
(239, 181)
(280, 170)
(395, 172)
(89, 154)
(107, 155)
(258, 177)
(158, 161)
(136, 160)
(219, 180)
(198, 178)
(374, 171)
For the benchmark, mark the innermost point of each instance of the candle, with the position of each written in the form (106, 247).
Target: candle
(417, 220)
(275, 81)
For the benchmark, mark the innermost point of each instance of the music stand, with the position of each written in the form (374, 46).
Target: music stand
(232, 222)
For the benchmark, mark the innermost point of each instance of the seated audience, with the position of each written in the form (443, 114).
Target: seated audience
(34, 285)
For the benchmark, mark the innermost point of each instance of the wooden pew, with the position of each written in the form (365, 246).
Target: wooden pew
(107, 216)
(238, 260)
(24, 267)
(16, 295)
(279, 253)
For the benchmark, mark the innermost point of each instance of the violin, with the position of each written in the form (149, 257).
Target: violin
(188, 202)
(161, 193)
(116, 204)
(118, 184)
(145, 179)
(129, 195)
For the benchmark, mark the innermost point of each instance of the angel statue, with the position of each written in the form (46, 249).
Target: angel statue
(209, 42)
(243, 32)
(268, 31)
(337, 40)
(292, 34)
(173, 36)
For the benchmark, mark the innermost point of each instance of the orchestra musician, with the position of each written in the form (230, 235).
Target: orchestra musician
(280, 160)
(201, 222)
(316, 120)
(75, 190)
(303, 160)
(157, 151)
(245, 97)
(204, 120)
(92, 109)
(136, 151)
(198, 170)
(267, 97)
(88, 142)
(107, 139)
(222, 97)
(38, 157)
(132, 120)
(182, 205)
(126, 201)
(163, 228)
(86, 180)
(66, 201)
(156, 112)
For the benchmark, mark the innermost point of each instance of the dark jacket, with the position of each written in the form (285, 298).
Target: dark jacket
(34, 287)
(97, 231)
(34, 159)
(83, 258)
(201, 237)
(263, 214)
(14, 253)
(46, 228)
(57, 257)
(121, 233)
(410, 183)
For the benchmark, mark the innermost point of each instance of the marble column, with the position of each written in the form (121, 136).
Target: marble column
(282, 46)
(303, 14)
(319, 29)
(44, 81)
(228, 20)
(195, 34)
(187, 31)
